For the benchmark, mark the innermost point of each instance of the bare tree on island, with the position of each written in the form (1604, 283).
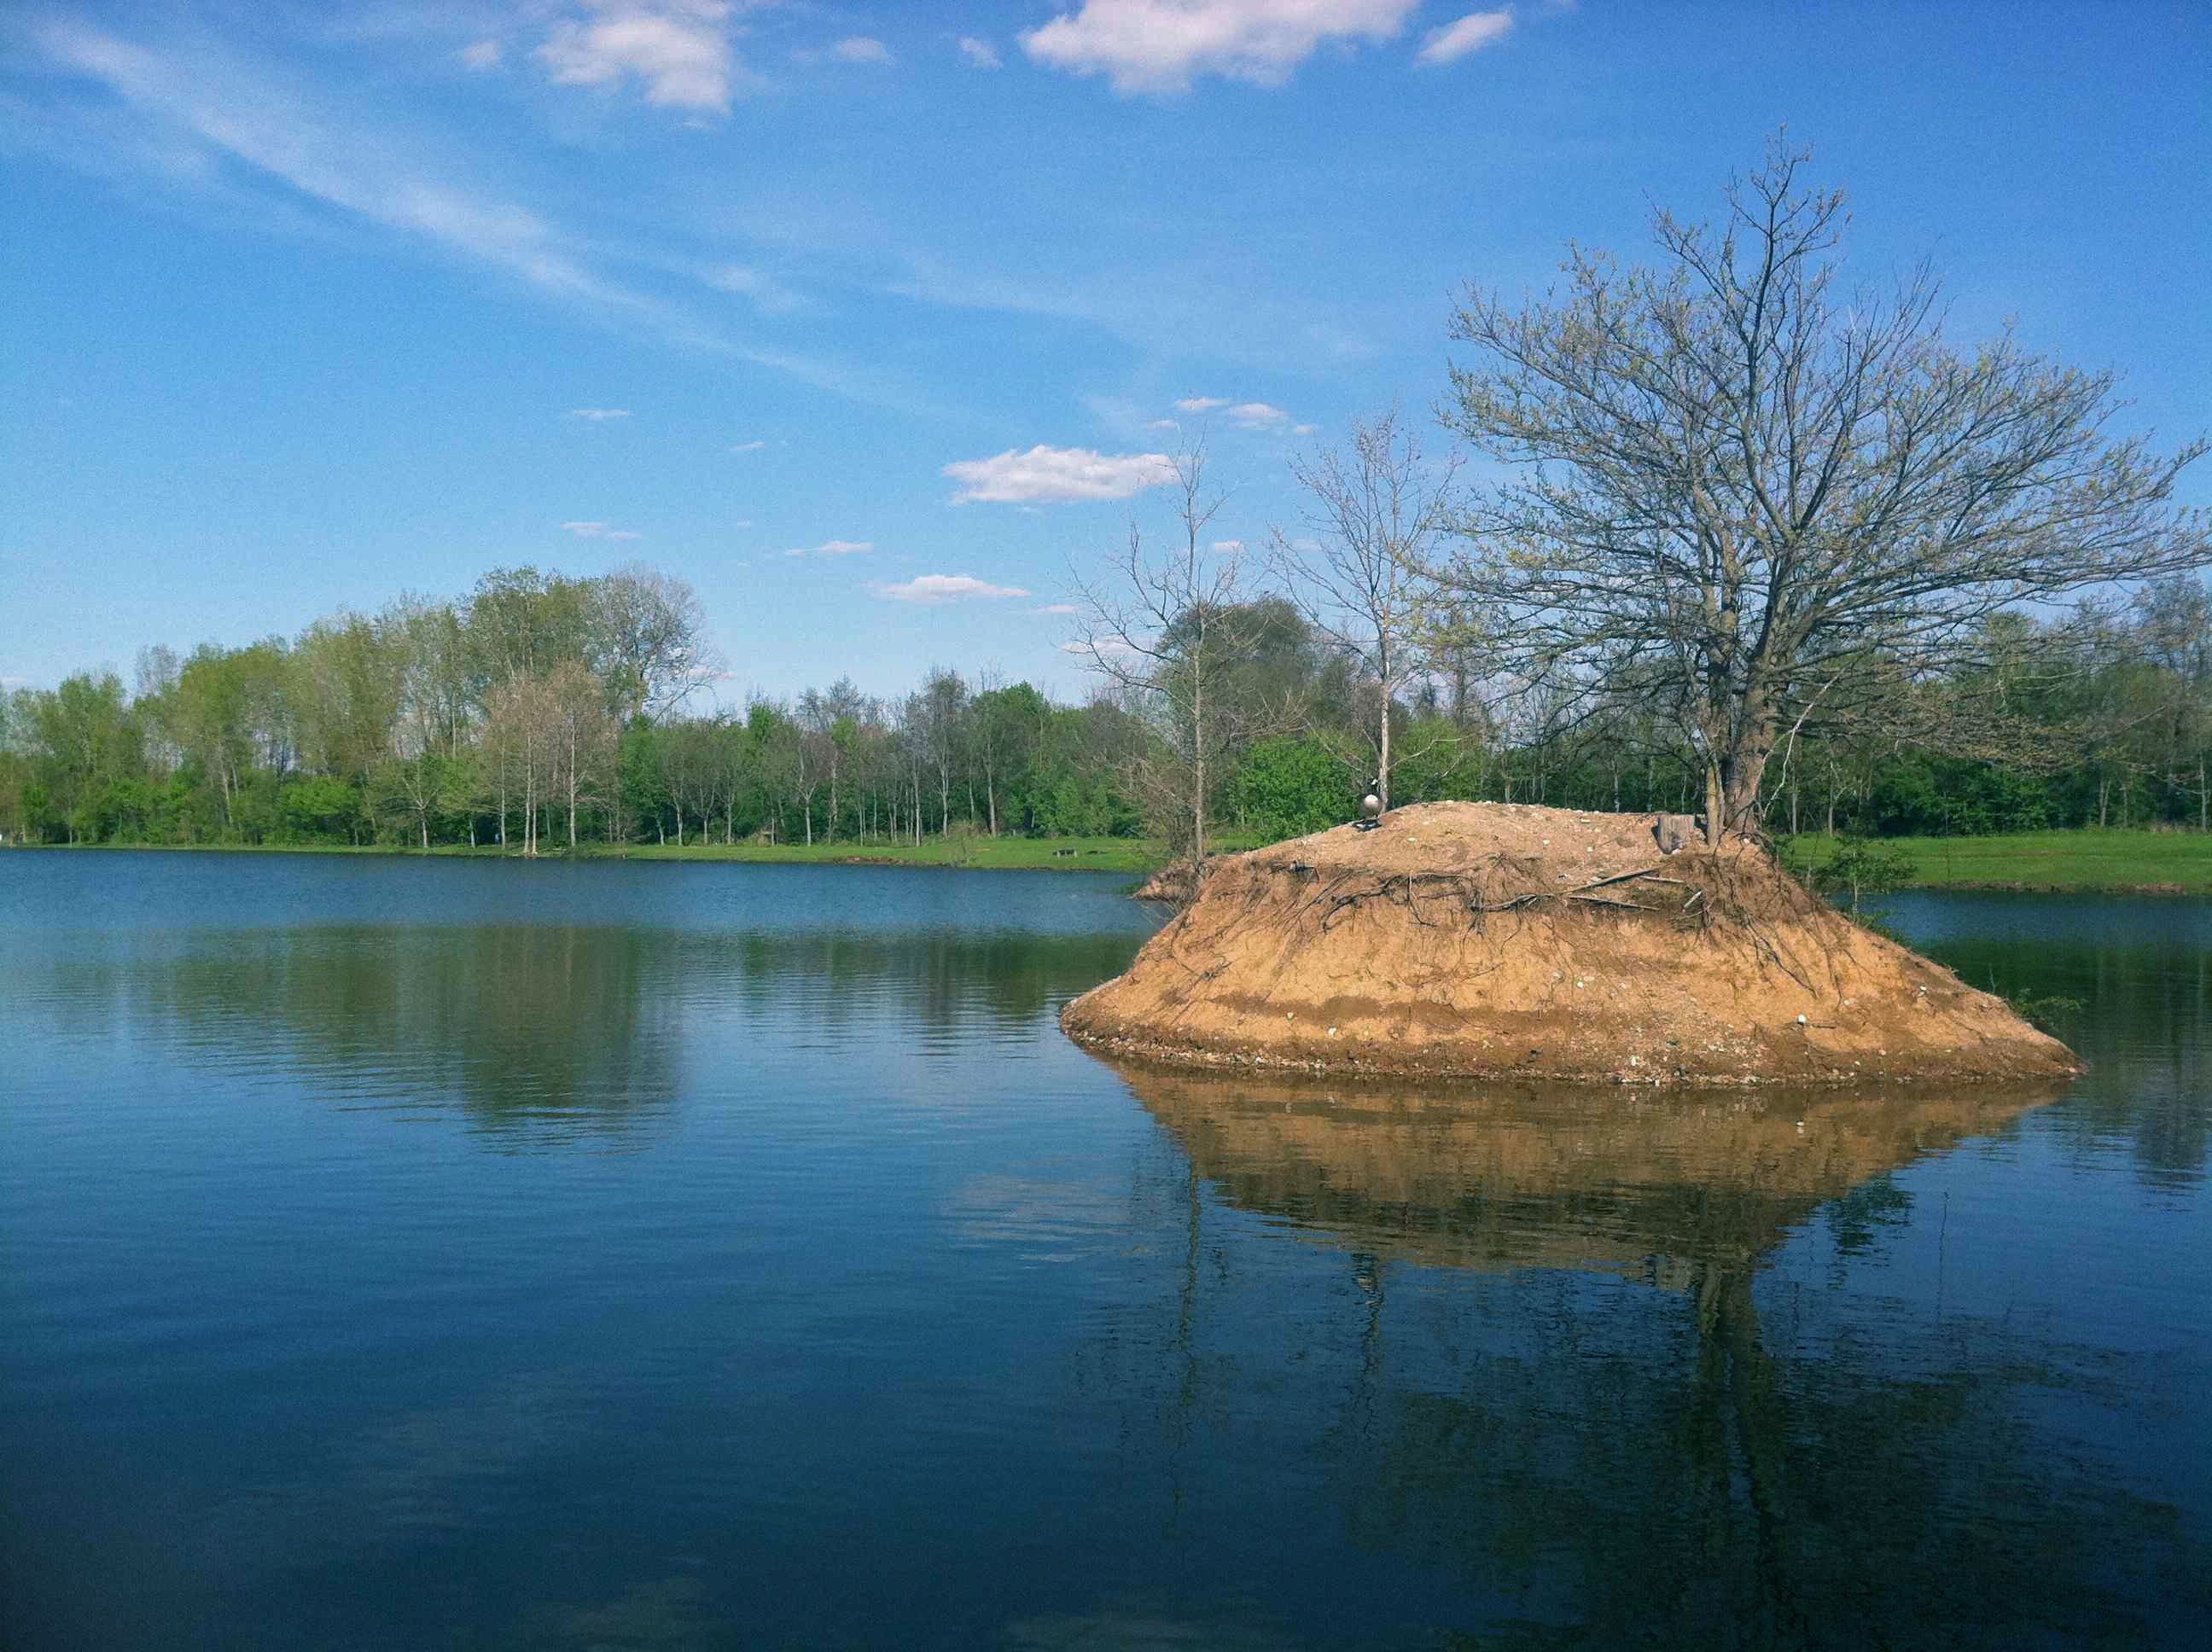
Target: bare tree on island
(1743, 485)
(1375, 513)
(1167, 632)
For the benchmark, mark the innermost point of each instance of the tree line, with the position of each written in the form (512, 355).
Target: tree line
(540, 712)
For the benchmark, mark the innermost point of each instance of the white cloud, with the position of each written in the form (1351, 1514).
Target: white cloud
(747, 446)
(1470, 34)
(599, 531)
(1257, 416)
(678, 48)
(981, 53)
(599, 415)
(1049, 474)
(1158, 45)
(1229, 545)
(931, 589)
(860, 48)
(1097, 648)
(1056, 608)
(1305, 429)
(484, 54)
(835, 548)
(1252, 416)
(1162, 424)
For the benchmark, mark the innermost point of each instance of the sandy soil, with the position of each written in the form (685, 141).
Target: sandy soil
(1499, 940)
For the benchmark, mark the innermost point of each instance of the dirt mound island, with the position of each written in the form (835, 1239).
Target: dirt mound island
(1494, 939)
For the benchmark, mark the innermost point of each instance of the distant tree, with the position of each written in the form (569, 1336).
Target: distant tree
(1373, 517)
(1290, 785)
(583, 739)
(1864, 869)
(1738, 485)
(89, 737)
(646, 639)
(1008, 725)
(1168, 631)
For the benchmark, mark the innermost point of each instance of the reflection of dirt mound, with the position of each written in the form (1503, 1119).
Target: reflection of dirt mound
(1524, 1177)
(1490, 939)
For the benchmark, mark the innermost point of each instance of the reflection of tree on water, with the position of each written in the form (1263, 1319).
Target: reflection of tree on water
(1736, 1461)
(546, 1028)
(940, 982)
(2144, 1039)
(561, 1030)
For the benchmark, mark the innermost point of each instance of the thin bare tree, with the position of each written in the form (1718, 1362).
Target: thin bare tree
(1741, 485)
(1374, 516)
(1167, 632)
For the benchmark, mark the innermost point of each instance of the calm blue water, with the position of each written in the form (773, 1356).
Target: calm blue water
(400, 1254)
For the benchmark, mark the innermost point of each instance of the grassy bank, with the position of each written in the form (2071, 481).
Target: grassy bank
(2087, 862)
(1118, 855)
(1123, 854)
(2170, 863)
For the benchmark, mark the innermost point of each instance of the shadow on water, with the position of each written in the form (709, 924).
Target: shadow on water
(1733, 1461)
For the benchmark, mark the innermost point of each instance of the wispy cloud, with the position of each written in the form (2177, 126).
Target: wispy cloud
(1251, 415)
(599, 415)
(599, 531)
(767, 293)
(210, 107)
(1160, 45)
(981, 53)
(931, 589)
(835, 548)
(862, 49)
(679, 49)
(1056, 475)
(1056, 608)
(753, 447)
(1470, 34)
(484, 54)
(1257, 416)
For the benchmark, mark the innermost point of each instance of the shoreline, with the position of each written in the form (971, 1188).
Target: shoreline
(1125, 857)
(2154, 865)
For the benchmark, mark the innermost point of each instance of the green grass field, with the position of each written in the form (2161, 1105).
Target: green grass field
(2085, 861)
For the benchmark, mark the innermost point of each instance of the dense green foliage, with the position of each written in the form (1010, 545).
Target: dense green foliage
(541, 707)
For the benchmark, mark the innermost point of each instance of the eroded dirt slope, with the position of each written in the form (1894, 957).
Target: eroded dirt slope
(1497, 939)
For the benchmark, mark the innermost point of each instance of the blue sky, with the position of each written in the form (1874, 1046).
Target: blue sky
(308, 305)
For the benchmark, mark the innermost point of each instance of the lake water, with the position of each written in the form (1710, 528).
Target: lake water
(450, 1254)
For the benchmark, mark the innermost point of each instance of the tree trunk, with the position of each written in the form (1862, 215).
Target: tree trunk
(1197, 786)
(1382, 780)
